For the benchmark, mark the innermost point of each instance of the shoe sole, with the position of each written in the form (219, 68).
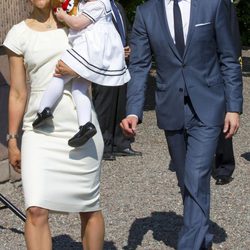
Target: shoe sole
(42, 122)
(82, 140)
(224, 182)
(109, 159)
(124, 154)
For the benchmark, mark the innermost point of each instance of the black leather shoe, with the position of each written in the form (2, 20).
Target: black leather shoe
(127, 152)
(108, 156)
(42, 117)
(223, 180)
(85, 133)
(209, 248)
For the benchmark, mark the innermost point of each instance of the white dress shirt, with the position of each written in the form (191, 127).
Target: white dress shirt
(185, 6)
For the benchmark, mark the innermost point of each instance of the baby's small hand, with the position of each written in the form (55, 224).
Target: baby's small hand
(60, 14)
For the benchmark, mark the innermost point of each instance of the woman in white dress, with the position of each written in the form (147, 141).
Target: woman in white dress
(97, 56)
(55, 177)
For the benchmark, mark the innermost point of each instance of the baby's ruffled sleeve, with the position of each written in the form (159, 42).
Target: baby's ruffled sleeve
(93, 10)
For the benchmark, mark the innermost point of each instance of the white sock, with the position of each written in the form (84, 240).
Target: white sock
(53, 92)
(83, 105)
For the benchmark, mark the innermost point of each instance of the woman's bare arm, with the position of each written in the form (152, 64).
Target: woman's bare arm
(17, 102)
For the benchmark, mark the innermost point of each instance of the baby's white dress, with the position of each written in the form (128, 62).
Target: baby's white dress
(54, 175)
(97, 54)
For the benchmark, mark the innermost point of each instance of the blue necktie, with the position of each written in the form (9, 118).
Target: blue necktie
(118, 22)
(178, 29)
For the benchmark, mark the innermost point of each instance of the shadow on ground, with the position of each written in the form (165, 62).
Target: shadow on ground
(246, 156)
(65, 242)
(165, 227)
(14, 230)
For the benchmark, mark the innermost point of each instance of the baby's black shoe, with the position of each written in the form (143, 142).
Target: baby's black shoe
(42, 117)
(85, 133)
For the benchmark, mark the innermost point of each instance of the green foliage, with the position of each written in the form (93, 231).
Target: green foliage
(130, 7)
(243, 12)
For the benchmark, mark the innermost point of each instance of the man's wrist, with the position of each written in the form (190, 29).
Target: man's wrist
(234, 112)
(132, 115)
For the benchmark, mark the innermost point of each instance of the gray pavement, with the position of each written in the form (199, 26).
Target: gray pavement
(141, 202)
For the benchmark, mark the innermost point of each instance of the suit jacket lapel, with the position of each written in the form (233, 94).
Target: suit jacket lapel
(123, 15)
(161, 9)
(191, 28)
(114, 22)
(123, 22)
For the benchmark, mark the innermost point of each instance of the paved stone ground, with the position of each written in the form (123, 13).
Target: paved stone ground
(141, 202)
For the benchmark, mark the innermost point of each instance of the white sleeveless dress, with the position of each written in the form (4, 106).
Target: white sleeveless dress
(54, 175)
(97, 54)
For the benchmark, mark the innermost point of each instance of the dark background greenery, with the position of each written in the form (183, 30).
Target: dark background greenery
(243, 12)
(242, 7)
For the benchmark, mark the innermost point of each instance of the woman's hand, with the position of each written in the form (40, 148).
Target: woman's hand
(63, 69)
(14, 155)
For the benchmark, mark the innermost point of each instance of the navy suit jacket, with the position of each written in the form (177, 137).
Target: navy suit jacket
(235, 27)
(209, 68)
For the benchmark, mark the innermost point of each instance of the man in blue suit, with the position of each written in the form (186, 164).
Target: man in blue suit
(198, 92)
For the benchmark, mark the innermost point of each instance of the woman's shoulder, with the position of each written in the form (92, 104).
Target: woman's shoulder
(21, 24)
(15, 37)
(17, 31)
(18, 28)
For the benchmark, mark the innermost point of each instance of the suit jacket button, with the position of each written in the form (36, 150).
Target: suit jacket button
(180, 89)
(183, 65)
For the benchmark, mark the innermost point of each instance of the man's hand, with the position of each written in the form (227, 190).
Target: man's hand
(129, 125)
(231, 124)
(127, 52)
(64, 69)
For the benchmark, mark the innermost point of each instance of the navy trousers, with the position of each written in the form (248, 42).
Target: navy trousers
(224, 158)
(192, 151)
